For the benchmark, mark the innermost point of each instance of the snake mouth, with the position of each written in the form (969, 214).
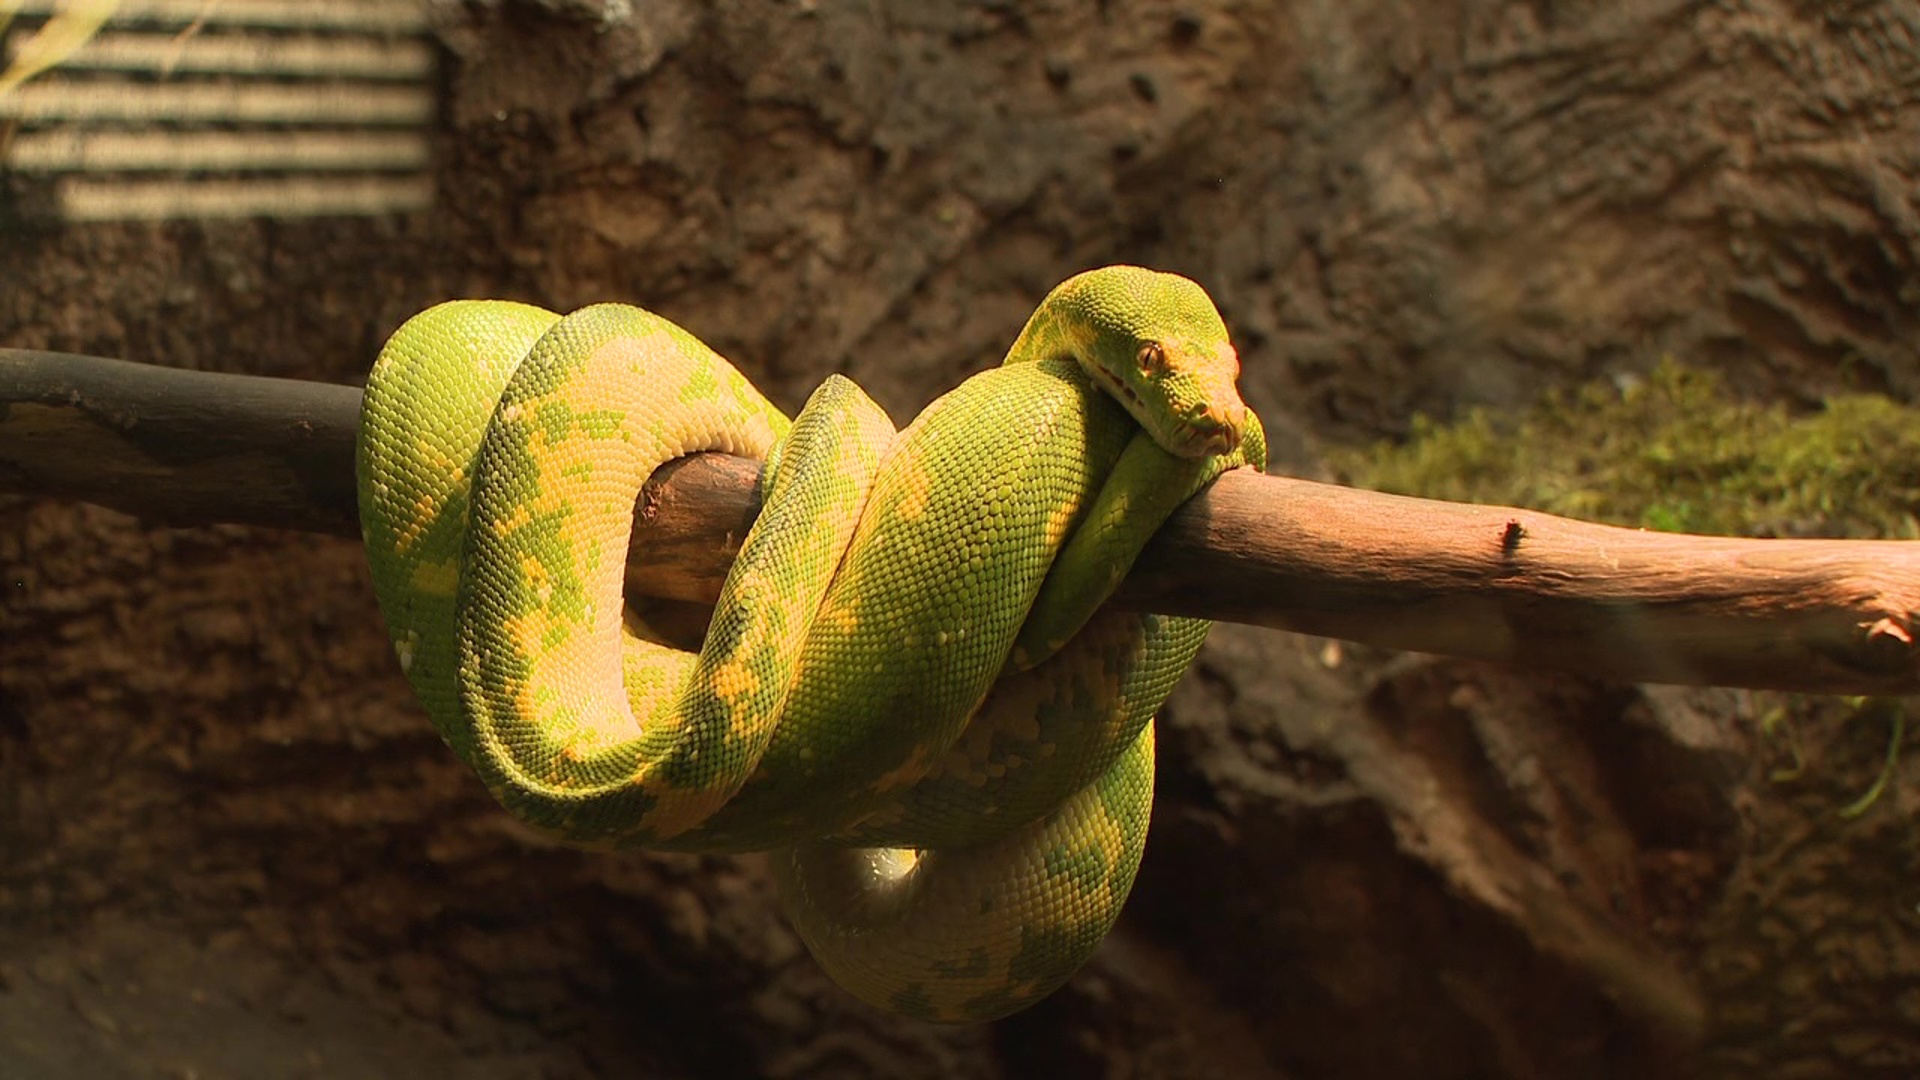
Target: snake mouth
(1215, 430)
(1223, 439)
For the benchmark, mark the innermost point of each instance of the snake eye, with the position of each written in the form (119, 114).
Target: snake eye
(1152, 359)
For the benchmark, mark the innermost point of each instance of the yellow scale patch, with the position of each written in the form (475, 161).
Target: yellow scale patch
(906, 774)
(426, 506)
(735, 681)
(436, 579)
(678, 809)
(910, 504)
(840, 613)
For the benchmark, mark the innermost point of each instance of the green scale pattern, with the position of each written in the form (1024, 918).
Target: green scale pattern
(909, 691)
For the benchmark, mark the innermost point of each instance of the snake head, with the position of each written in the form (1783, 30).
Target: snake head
(1156, 343)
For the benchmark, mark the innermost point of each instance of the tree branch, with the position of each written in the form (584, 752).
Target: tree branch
(1484, 582)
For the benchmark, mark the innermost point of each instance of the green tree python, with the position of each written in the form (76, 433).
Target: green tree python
(909, 693)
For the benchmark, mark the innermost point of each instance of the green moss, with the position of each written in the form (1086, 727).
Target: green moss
(1675, 452)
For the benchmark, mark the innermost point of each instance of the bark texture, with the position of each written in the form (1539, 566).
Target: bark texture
(233, 847)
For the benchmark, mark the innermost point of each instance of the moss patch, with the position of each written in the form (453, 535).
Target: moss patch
(1675, 452)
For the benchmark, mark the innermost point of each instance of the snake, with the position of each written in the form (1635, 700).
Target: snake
(911, 693)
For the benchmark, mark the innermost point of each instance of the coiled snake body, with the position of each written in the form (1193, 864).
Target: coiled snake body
(908, 691)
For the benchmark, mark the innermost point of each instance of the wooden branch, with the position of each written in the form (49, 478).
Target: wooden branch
(1483, 582)
(179, 447)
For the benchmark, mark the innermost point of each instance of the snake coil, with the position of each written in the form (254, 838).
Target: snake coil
(909, 691)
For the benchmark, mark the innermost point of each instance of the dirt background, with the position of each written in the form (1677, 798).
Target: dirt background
(231, 847)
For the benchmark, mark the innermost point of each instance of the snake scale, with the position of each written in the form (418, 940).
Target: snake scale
(909, 692)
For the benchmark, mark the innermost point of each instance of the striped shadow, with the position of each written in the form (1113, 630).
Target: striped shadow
(222, 109)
